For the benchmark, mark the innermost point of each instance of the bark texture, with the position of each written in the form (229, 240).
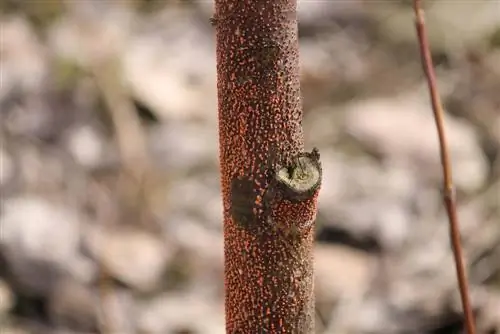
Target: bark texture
(269, 183)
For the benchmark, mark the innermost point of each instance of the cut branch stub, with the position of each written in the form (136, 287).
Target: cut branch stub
(288, 186)
(296, 189)
(301, 179)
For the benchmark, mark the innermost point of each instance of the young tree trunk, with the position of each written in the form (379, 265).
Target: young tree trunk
(269, 184)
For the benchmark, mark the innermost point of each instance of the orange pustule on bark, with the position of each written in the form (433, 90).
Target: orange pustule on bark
(269, 184)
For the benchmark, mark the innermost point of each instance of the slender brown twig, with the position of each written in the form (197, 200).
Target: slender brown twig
(449, 190)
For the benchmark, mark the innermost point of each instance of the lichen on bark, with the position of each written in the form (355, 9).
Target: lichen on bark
(269, 183)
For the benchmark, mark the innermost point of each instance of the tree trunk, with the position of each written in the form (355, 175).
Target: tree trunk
(269, 184)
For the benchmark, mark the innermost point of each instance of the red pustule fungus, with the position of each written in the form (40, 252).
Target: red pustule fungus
(269, 183)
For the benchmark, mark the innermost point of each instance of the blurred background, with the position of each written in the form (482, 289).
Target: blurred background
(110, 200)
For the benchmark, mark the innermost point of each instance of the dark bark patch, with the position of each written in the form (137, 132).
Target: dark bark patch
(243, 198)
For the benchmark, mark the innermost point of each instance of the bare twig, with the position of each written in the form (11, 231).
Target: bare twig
(449, 190)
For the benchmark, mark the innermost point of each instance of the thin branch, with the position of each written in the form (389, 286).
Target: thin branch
(449, 190)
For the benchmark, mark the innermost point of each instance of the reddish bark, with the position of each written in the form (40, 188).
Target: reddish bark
(269, 184)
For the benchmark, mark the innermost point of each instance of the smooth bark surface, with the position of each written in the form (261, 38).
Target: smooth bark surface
(269, 183)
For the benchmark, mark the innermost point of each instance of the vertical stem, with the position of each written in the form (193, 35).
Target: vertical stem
(449, 191)
(269, 184)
